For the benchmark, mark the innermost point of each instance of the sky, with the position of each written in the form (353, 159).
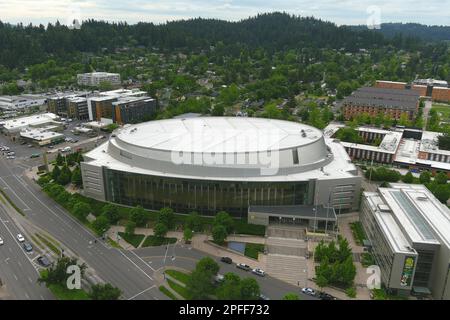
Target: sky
(349, 12)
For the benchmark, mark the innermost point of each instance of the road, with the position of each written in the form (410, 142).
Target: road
(18, 269)
(185, 257)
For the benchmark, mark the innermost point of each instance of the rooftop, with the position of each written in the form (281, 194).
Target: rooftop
(33, 120)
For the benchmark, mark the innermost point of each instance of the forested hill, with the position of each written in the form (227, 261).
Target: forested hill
(426, 33)
(25, 45)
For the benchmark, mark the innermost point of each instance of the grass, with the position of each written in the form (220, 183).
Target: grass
(358, 232)
(182, 291)
(253, 249)
(242, 227)
(152, 241)
(49, 244)
(167, 292)
(113, 243)
(63, 293)
(178, 275)
(381, 294)
(11, 202)
(37, 242)
(443, 110)
(367, 259)
(133, 239)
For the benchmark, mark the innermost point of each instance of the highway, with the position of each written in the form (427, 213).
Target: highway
(18, 269)
(111, 265)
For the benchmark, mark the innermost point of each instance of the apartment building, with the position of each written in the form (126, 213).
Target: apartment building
(94, 79)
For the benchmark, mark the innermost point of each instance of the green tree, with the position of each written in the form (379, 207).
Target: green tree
(76, 177)
(130, 227)
(187, 234)
(408, 178)
(59, 159)
(57, 273)
(291, 296)
(160, 230)
(224, 219)
(200, 284)
(440, 178)
(193, 221)
(101, 224)
(138, 215)
(250, 289)
(219, 234)
(166, 216)
(207, 265)
(111, 212)
(104, 292)
(65, 176)
(230, 288)
(425, 177)
(55, 173)
(81, 210)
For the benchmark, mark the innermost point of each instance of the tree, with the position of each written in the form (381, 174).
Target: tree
(425, 177)
(250, 289)
(57, 273)
(441, 192)
(81, 210)
(321, 281)
(440, 178)
(224, 219)
(59, 159)
(65, 176)
(138, 215)
(230, 288)
(104, 292)
(291, 296)
(408, 177)
(187, 234)
(101, 224)
(111, 212)
(160, 230)
(207, 265)
(55, 173)
(166, 217)
(76, 177)
(200, 285)
(219, 233)
(194, 222)
(130, 227)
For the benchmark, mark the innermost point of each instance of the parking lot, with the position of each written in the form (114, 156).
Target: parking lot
(23, 151)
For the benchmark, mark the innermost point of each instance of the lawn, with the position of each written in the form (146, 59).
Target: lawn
(167, 292)
(252, 250)
(152, 241)
(182, 291)
(62, 293)
(133, 239)
(443, 110)
(178, 275)
(358, 232)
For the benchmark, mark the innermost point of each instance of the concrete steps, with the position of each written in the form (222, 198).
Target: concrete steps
(291, 269)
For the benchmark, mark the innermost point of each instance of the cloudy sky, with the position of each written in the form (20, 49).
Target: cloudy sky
(159, 11)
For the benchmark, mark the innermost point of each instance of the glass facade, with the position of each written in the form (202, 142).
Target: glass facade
(204, 196)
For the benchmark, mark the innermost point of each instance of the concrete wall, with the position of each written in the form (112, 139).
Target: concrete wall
(340, 190)
(93, 183)
(258, 218)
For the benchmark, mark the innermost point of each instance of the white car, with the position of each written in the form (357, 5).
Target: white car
(1, 241)
(259, 272)
(10, 157)
(309, 291)
(20, 238)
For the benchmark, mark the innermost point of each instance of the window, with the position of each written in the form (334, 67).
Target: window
(295, 156)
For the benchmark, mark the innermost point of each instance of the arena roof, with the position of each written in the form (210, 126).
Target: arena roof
(219, 134)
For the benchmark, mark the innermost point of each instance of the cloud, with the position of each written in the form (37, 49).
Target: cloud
(159, 11)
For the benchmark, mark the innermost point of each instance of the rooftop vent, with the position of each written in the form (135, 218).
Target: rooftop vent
(422, 198)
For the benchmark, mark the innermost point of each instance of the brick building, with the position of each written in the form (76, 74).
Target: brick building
(373, 100)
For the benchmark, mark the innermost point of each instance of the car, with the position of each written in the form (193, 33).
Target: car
(74, 140)
(66, 149)
(50, 147)
(263, 297)
(20, 238)
(44, 261)
(243, 266)
(325, 296)
(27, 247)
(1, 241)
(11, 153)
(226, 260)
(23, 142)
(259, 272)
(35, 155)
(309, 291)
(219, 278)
(10, 157)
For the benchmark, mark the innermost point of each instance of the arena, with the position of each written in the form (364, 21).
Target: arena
(209, 164)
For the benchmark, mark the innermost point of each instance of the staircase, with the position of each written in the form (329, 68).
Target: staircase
(291, 269)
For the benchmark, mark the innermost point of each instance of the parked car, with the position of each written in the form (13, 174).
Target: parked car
(23, 142)
(226, 260)
(11, 153)
(35, 155)
(44, 261)
(66, 149)
(243, 266)
(10, 157)
(30, 146)
(259, 272)
(27, 247)
(325, 296)
(219, 278)
(1, 241)
(263, 297)
(309, 291)
(20, 238)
